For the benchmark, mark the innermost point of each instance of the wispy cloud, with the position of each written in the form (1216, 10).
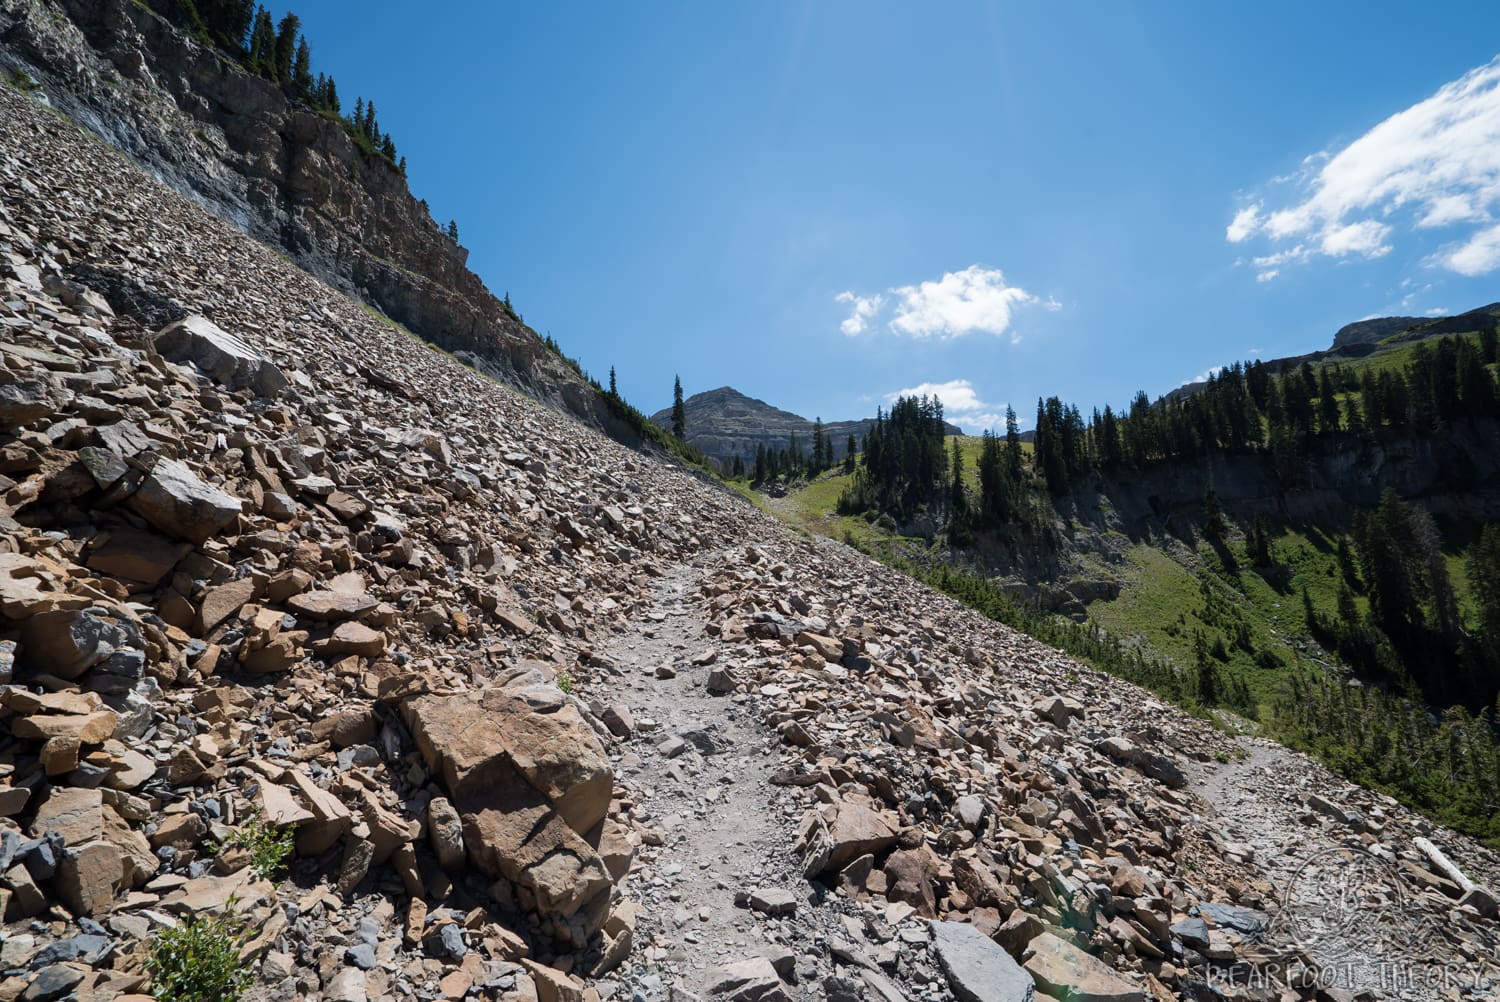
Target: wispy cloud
(974, 300)
(961, 403)
(1434, 166)
(862, 308)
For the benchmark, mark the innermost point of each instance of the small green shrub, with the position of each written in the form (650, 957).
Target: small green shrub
(22, 82)
(565, 682)
(199, 961)
(269, 845)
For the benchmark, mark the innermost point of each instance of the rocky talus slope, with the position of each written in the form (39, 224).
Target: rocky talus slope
(552, 721)
(281, 172)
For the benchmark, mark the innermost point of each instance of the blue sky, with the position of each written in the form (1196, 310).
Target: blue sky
(823, 204)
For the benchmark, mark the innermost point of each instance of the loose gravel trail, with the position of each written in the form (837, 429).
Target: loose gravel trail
(701, 766)
(1346, 908)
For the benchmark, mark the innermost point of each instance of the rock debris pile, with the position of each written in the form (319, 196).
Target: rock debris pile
(545, 719)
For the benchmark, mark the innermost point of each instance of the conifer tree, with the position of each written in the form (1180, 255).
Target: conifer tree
(612, 389)
(958, 506)
(262, 57)
(285, 52)
(302, 78)
(679, 412)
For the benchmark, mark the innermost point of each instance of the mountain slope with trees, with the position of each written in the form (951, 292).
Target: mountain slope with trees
(1255, 544)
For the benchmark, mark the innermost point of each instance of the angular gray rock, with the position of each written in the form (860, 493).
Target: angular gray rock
(219, 355)
(977, 968)
(753, 980)
(173, 499)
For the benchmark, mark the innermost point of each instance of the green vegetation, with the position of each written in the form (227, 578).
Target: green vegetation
(1372, 643)
(199, 960)
(20, 81)
(270, 846)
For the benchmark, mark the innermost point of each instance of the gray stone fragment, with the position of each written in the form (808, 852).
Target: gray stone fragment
(1193, 932)
(753, 980)
(977, 968)
(25, 401)
(773, 900)
(173, 499)
(219, 355)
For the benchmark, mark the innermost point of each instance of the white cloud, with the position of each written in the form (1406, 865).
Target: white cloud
(961, 403)
(1437, 311)
(1268, 274)
(1244, 223)
(961, 302)
(1435, 165)
(863, 308)
(1478, 256)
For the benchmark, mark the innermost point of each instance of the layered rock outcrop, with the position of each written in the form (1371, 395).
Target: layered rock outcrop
(283, 173)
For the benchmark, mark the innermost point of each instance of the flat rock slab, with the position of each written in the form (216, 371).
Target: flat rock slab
(219, 355)
(1065, 971)
(978, 969)
(753, 980)
(331, 606)
(773, 900)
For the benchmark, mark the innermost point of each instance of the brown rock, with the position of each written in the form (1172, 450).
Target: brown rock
(182, 831)
(909, 873)
(446, 833)
(330, 606)
(60, 754)
(351, 727)
(88, 878)
(1066, 972)
(355, 638)
(93, 729)
(831, 649)
(553, 985)
(223, 601)
(173, 499)
(836, 835)
(73, 812)
(135, 555)
(557, 754)
(288, 583)
(13, 800)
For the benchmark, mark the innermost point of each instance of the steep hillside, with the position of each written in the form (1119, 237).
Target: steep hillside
(309, 630)
(287, 175)
(725, 424)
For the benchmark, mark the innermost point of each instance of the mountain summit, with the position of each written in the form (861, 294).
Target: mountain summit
(724, 423)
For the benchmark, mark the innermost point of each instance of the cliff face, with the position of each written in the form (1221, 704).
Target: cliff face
(284, 174)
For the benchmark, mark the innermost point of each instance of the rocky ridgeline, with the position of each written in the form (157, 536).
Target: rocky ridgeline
(267, 560)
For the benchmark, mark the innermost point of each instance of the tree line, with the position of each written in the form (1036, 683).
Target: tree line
(1247, 408)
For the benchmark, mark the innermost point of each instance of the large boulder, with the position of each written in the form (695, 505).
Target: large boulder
(837, 834)
(68, 642)
(528, 787)
(978, 969)
(219, 355)
(172, 498)
(556, 753)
